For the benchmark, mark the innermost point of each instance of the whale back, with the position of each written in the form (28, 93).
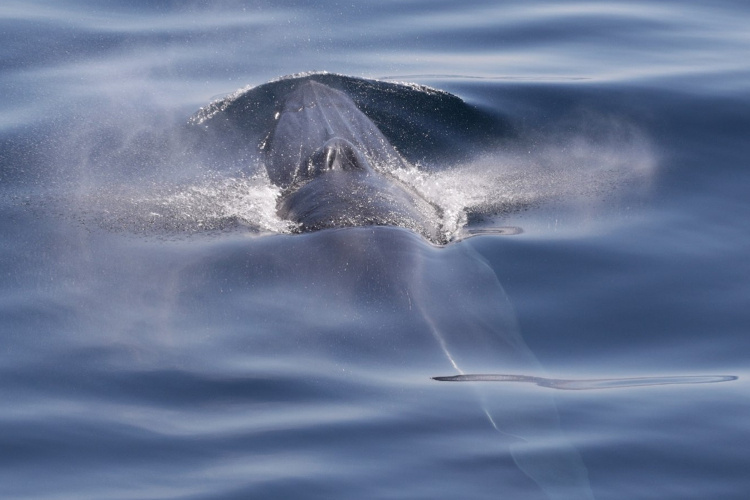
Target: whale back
(425, 125)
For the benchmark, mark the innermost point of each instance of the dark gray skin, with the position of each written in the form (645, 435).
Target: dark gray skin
(333, 164)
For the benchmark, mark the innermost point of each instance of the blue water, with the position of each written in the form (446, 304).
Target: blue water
(164, 335)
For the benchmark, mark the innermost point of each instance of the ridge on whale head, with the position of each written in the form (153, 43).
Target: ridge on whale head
(334, 165)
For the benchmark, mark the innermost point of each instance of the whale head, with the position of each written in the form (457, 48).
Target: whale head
(335, 167)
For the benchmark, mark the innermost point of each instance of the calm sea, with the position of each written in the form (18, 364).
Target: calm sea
(163, 335)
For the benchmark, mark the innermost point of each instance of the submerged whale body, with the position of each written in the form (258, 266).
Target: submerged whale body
(336, 167)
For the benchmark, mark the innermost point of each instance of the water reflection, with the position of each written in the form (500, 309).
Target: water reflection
(590, 384)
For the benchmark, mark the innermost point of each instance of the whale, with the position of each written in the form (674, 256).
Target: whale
(377, 245)
(345, 151)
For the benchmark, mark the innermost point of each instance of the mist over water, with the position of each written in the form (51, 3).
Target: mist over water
(138, 172)
(585, 176)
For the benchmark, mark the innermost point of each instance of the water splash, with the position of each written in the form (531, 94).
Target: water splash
(211, 205)
(580, 173)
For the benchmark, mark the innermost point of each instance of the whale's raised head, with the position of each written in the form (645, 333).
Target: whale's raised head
(316, 120)
(336, 168)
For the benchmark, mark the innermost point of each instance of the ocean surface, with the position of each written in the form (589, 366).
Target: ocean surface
(164, 334)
